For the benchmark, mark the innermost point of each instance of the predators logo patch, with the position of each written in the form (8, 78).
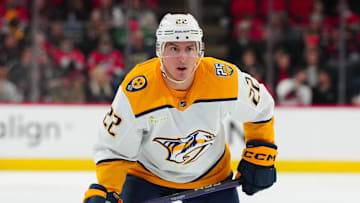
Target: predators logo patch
(188, 149)
(223, 70)
(136, 84)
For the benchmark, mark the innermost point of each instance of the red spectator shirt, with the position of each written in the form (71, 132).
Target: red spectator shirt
(74, 55)
(112, 62)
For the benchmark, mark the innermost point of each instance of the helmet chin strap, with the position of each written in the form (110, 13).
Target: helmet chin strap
(165, 75)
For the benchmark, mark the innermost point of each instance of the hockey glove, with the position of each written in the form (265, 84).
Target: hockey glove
(256, 168)
(98, 194)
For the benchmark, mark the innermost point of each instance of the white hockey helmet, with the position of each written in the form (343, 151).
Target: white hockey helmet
(178, 28)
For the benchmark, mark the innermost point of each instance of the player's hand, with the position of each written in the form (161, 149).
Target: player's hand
(98, 194)
(256, 169)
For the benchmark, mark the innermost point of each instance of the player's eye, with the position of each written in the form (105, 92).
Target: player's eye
(189, 49)
(174, 49)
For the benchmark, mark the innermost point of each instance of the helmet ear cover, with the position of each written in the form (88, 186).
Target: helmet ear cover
(179, 28)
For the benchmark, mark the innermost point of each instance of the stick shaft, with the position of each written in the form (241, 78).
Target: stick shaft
(188, 194)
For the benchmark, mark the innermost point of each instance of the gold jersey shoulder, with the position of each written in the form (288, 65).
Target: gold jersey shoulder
(215, 80)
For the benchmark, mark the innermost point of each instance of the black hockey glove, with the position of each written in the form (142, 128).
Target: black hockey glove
(98, 194)
(256, 168)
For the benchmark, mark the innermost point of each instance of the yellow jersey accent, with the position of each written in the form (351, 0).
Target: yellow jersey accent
(94, 192)
(207, 86)
(112, 174)
(263, 131)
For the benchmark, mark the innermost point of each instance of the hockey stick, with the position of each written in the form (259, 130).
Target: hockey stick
(188, 194)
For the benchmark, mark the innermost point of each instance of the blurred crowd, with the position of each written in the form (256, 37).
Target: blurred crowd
(305, 47)
(81, 46)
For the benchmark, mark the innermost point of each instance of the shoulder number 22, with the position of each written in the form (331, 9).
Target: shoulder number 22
(115, 121)
(254, 93)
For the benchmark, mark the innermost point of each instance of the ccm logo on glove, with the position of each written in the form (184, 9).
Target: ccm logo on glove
(261, 155)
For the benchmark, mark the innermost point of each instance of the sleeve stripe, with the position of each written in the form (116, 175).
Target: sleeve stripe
(154, 109)
(265, 121)
(215, 100)
(170, 106)
(111, 160)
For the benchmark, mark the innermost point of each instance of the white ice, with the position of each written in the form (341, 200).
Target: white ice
(69, 187)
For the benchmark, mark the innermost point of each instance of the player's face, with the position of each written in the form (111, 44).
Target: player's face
(179, 59)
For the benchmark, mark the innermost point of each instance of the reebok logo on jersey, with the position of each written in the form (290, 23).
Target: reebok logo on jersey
(223, 70)
(188, 149)
(136, 84)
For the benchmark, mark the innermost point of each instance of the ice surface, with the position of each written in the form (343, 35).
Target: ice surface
(69, 187)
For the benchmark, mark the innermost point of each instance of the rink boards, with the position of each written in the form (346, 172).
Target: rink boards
(60, 137)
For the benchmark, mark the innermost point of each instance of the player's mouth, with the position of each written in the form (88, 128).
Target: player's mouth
(181, 68)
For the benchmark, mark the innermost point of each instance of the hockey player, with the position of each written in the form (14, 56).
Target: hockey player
(164, 133)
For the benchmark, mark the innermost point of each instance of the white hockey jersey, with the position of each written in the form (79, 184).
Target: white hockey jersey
(175, 137)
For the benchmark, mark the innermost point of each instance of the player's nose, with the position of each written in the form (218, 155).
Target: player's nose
(182, 57)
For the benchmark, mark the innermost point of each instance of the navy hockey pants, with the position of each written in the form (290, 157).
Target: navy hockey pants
(136, 190)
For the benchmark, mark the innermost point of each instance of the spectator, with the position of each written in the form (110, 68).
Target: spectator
(56, 34)
(139, 51)
(47, 12)
(324, 92)
(74, 28)
(312, 67)
(68, 58)
(19, 74)
(78, 9)
(110, 13)
(12, 10)
(294, 91)
(282, 65)
(96, 28)
(11, 50)
(67, 84)
(43, 44)
(280, 27)
(67, 88)
(99, 87)
(107, 58)
(254, 68)
(241, 42)
(145, 16)
(8, 91)
(14, 28)
(146, 19)
(48, 72)
(316, 25)
(311, 41)
(251, 63)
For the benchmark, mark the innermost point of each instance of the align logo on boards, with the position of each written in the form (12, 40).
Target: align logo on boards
(33, 132)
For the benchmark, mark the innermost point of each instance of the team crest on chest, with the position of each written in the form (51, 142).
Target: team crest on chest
(136, 84)
(187, 149)
(223, 70)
